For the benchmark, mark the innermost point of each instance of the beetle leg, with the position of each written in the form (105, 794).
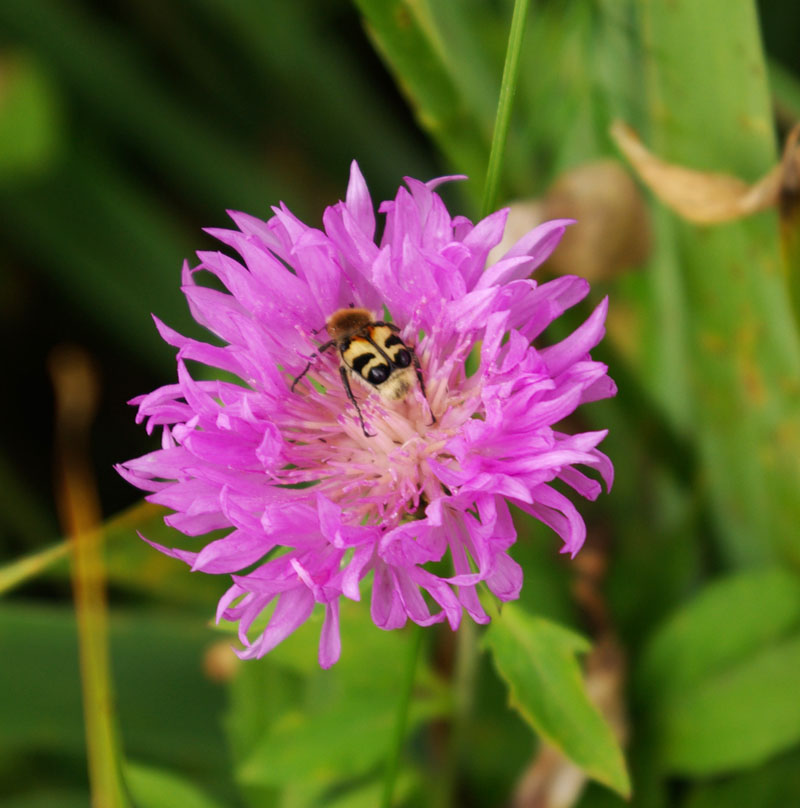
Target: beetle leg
(346, 383)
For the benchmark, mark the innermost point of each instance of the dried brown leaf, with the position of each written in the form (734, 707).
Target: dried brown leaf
(702, 197)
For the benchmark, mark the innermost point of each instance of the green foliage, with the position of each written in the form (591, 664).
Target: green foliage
(721, 676)
(407, 38)
(325, 729)
(737, 719)
(537, 660)
(158, 672)
(30, 123)
(739, 330)
(763, 606)
(774, 785)
(158, 788)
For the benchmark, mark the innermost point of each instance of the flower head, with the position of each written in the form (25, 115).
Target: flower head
(323, 481)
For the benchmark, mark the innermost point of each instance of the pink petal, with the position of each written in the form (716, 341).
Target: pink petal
(578, 343)
(387, 609)
(359, 202)
(506, 578)
(330, 642)
(540, 242)
(291, 611)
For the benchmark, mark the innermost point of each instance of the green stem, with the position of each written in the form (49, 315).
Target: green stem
(466, 666)
(76, 393)
(466, 653)
(508, 86)
(401, 722)
(23, 569)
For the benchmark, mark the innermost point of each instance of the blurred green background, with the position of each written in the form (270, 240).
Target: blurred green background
(128, 125)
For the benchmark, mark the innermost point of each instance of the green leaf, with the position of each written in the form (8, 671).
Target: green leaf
(168, 709)
(368, 795)
(708, 107)
(321, 728)
(736, 719)
(498, 743)
(334, 724)
(259, 694)
(152, 787)
(721, 675)
(537, 660)
(406, 36)
(785, 87)
(775, 785)
(319, 78)
(343, 741)
(698, 642)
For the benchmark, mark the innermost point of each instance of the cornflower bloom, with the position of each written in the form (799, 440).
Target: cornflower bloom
(320, 489)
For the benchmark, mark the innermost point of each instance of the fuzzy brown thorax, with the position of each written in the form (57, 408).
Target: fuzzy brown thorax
(346, 322)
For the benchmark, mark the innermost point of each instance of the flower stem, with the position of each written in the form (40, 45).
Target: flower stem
(508, 86)
(466, 653)
(401, 722)
(466, 665)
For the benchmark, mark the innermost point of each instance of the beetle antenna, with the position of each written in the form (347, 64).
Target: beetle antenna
(297, 378)
(321, 349)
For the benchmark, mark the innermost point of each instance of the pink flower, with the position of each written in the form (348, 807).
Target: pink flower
(314, 501)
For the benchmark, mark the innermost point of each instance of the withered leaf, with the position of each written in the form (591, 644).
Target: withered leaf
(703, 197)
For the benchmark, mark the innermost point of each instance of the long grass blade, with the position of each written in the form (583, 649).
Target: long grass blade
(76, 393)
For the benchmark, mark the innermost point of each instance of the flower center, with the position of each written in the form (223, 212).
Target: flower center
(385, 475)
